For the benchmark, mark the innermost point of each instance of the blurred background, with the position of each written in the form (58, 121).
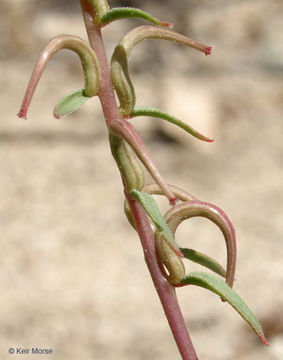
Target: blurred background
(72, 273)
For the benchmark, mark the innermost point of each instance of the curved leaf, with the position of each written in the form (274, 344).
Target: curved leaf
(128, 12)
(220, 288)
(203, 260)
(151, 111)
(70, 103)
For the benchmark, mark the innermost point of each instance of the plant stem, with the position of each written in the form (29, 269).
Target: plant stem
(106, 92)
(165, 290)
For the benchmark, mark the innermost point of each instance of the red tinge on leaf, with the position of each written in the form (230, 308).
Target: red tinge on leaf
(167, 24)
(262, 338)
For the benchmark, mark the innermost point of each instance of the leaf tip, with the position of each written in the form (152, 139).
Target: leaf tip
(56, 113)
(208, 139)
(167, 24)
(262, 338)
(202, 137)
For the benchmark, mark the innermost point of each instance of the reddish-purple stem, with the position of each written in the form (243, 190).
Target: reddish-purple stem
(165, 290)
(106, 92)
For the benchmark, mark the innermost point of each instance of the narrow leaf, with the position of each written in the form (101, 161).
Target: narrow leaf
(151, 208)
(70, 103)
(203, 260)
(128, 12)
(220, 288)
(150, 111)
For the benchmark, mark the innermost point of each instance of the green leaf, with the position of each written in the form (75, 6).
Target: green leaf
(128, 12)
(220, 288)
(151, 208)
(70, 103)
(150, 111)
(203, 260)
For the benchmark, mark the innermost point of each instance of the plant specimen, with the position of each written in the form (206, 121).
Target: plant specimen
(163, 255)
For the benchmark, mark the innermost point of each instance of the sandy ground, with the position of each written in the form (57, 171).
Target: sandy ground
(72, 274)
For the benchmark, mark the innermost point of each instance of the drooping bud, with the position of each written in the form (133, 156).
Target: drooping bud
(88, 60)
(186, 210)
(152, 32)
(119, 62)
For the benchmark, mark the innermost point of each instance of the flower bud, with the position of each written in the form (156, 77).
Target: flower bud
(129, 166)
(169, 259)
(121, 80)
